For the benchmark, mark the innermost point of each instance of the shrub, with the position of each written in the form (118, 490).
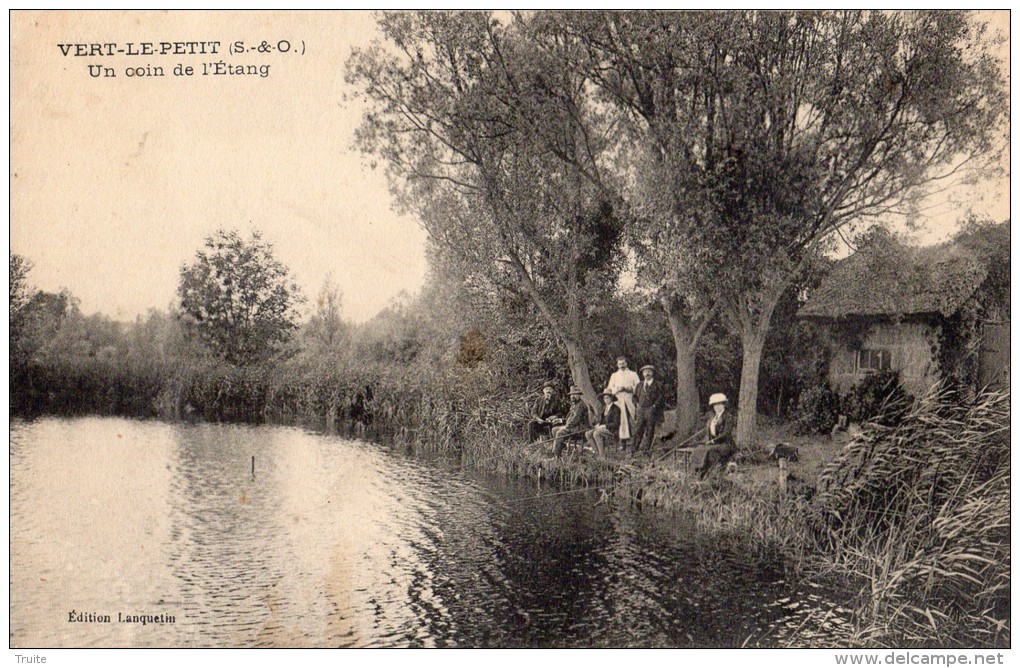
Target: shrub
(817, 410)
(878, 398)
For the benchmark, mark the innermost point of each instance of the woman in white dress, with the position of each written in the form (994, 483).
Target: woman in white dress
(622, 383)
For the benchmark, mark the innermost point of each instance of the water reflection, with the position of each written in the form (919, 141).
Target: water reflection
(334, 543)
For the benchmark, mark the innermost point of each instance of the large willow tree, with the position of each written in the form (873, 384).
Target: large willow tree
(492, 142)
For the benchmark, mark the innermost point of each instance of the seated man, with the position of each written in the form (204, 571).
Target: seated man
(718, 447)
(608, 428)
(544, 414)
(575, 425)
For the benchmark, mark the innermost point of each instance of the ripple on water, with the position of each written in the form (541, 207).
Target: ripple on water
(336, 543)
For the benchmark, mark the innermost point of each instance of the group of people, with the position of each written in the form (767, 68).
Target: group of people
(632, 407)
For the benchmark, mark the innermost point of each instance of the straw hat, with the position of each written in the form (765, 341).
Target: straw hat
(574, 391)
(717, 398)
(647, 366)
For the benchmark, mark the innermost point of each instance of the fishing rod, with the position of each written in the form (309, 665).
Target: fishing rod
(673, 448)
(568, 491)
(553, 438)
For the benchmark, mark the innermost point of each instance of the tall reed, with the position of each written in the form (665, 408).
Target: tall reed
(920, 511)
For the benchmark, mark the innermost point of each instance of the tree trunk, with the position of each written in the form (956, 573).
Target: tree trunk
(752, 343)
(686, 385)
(581, 376)
(568, 335)
(754, 331)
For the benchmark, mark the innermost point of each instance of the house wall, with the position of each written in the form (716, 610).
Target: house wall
(910, 353)
(993, 362)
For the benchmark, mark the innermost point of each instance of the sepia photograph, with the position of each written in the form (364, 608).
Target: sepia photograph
(504, 329)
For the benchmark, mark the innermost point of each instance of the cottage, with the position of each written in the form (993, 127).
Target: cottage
(892, 307)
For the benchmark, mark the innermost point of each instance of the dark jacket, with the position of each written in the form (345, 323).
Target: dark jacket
(577, 418)
(723, 430)
(611, 421)
(543, 408)
(651, 400)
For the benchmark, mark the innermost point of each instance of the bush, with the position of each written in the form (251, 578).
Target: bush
(817, 410)
(878, 398)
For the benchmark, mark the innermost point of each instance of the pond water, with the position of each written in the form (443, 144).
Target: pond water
(341, 543)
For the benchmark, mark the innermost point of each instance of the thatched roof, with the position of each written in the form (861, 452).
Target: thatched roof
(892, 280)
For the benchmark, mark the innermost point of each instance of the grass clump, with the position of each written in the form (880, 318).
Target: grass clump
(920, 511)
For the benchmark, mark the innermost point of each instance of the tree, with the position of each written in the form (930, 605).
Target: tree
(775, 131)
(51, 325)
(326, 327)
(989, 242)
(237, 298)
(20, 295)
(960, 335)
(672, 276)
(491, 141)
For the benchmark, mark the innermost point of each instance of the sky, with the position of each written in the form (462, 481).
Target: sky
(116, 182)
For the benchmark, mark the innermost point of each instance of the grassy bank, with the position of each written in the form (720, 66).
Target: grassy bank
(913, 516)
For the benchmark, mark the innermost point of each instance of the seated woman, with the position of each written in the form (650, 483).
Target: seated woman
(718, 447)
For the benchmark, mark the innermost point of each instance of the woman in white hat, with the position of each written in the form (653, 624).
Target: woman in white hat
(718, 447)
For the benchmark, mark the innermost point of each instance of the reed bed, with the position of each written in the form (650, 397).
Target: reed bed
(920, 512)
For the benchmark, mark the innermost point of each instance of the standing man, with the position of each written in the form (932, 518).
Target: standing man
(544, 414)
(622, 383)
(608, 426)
(651, 403)
(577, 421)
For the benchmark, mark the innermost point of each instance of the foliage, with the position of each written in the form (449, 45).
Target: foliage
(767, 132)
(878, 398)
(797, 351)
(237, 298)
(50, 324)
(921, 510)
(394, 335)
(718, 364)
(489, 138)
(20, 293)
(817, 411)
(326, 329)
(473, 347)
(958, 340)
(989, 242)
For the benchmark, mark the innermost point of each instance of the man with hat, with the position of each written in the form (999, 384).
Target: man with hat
(544, 413)
(718, 447)
(608, 426)
(651, 404)
(576, 423)
(622, 383)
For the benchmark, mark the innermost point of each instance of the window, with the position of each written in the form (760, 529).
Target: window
(872, 360)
